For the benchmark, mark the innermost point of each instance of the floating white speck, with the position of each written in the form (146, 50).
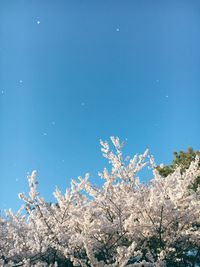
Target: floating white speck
(117, 29)
(53, 123)
(38, 22)
(166, 96)
(20, 81)
(2, 92)
(17, 180)
(44, 134)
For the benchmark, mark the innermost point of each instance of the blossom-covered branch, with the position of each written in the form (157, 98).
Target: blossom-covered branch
(122, 223)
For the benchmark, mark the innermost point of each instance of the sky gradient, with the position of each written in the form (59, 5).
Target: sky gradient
(72, 72)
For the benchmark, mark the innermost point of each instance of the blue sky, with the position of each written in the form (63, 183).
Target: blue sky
(72, 72)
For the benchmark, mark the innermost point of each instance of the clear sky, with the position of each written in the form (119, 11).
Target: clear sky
(75, 71)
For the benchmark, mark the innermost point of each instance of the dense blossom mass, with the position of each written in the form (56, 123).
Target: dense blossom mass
(122, 223)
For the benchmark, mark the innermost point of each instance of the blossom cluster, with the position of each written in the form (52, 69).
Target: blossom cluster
(122, 223)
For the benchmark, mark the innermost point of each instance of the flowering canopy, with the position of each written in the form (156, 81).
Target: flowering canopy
(122, 223)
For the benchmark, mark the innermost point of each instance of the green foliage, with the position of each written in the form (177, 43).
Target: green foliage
(165, 171)
(183, 160)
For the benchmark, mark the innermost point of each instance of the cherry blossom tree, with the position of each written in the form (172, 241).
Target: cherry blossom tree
(122, 223)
